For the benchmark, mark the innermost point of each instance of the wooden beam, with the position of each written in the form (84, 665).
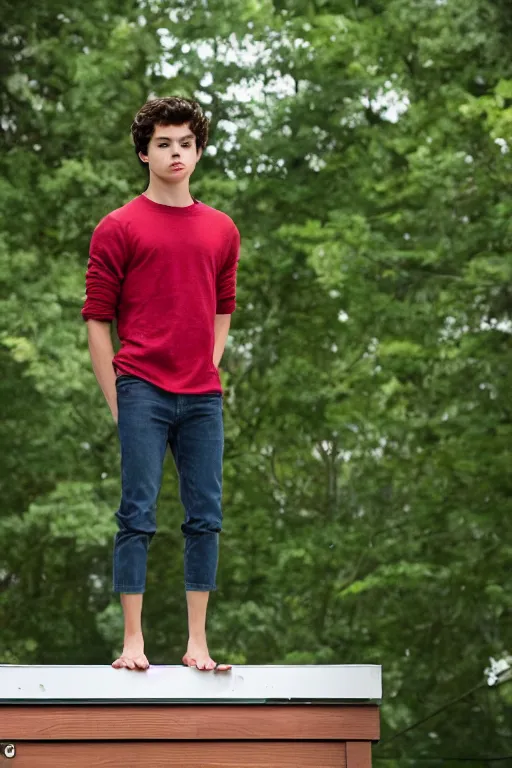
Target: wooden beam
(359, 754)
(202, 722)
(180, 755)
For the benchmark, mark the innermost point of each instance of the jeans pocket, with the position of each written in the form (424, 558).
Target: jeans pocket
(124, 383)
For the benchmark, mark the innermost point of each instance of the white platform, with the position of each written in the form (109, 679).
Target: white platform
(177, 684)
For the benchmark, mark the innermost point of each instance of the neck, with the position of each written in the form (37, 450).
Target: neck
(177, 195)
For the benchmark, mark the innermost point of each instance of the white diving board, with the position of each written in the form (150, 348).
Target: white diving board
(355, 683)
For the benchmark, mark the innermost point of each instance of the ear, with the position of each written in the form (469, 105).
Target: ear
(199, 153)
(143, 157)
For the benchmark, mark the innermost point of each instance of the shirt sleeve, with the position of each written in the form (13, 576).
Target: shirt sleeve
(226, 279)
(105, 271)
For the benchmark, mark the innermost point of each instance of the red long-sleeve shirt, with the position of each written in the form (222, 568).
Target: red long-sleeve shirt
(163, 273)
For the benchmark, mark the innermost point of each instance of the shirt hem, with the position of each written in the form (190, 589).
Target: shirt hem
(121, 370)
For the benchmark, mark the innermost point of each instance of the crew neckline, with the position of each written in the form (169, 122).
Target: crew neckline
(174, 210)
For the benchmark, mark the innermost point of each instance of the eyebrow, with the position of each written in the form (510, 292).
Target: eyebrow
(182, 138)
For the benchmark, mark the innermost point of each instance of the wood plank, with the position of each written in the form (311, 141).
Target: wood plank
(36, 722)
(359, 754)
(180, 755)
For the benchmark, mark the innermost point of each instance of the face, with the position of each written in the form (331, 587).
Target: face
(172, 153)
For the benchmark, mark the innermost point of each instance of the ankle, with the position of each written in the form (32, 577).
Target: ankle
(199, 639)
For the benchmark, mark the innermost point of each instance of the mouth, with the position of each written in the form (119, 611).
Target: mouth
(177, 167)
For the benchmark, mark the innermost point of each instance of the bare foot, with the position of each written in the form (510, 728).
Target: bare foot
(199, 657)
(132, 656)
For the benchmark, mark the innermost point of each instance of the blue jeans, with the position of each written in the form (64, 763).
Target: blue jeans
(149, 418)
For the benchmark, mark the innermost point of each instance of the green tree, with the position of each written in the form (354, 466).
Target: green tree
(363, 150)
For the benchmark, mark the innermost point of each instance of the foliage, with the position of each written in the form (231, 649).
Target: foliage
(367, 378)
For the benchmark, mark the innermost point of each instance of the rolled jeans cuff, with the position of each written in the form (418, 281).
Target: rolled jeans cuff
(199, 587)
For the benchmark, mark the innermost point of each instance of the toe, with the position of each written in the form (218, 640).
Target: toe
(222, 667)
(125, 662)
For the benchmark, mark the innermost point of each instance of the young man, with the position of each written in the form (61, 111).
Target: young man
(164, 265)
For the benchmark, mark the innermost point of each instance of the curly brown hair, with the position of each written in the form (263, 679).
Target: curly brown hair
(173, 110)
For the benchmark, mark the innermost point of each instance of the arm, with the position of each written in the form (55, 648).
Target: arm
(226, 297)
(102, 354)
(222, 324)
(105, 273)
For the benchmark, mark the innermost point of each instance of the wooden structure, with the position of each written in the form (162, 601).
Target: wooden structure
(251, 717)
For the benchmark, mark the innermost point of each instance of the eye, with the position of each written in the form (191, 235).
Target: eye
(187, 144)
(164, 144)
